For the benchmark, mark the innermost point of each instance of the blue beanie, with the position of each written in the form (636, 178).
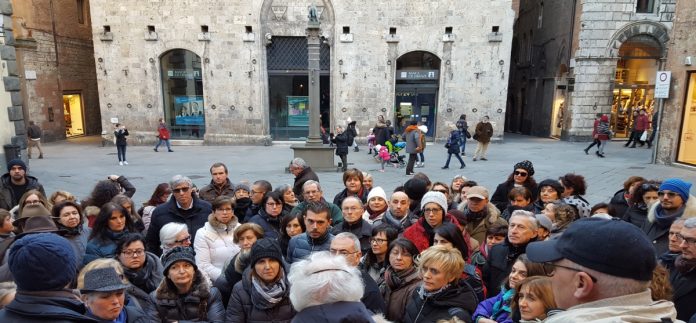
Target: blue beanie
(678, 186)
(42, 262)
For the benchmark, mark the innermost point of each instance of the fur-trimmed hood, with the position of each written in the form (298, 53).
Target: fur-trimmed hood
(689, 209)
(214, 224)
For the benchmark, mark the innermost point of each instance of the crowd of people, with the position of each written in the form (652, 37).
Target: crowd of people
(425, 251)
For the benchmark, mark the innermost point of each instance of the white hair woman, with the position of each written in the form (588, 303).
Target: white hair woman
(323, 284)
(174, 234)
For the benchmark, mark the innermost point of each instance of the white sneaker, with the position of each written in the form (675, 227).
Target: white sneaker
(125, 162)
(120, 163)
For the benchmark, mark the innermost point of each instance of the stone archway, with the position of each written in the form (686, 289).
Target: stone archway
(654, 29)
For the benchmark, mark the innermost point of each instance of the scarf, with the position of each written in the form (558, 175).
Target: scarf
(375, 213)
(70, 232)
(475, 217)
(668, 258)
(684, 266)
(503, 305)
(664, 220)
(142, 278)
(268, 296)
(396, 279)
(424, 294)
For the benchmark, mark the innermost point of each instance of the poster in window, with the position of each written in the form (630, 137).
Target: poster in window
(298, 111)
(189, 110)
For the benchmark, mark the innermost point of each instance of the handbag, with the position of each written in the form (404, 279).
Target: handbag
(467, 134)
(644, 136)
(447, 145)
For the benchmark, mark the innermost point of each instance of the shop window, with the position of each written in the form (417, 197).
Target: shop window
(182, 89)
(687, 138)
(645, 6)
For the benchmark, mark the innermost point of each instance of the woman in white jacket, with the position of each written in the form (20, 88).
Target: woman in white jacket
(214, 241)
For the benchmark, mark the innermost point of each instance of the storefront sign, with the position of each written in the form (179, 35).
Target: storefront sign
(189, 110)
(184, 74)
(417, 75)
(298, 111)
(662, 81)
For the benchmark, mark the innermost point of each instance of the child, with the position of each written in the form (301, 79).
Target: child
(383, 155)
(371, 142)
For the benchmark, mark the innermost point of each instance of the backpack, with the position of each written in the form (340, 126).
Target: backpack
(473, 278)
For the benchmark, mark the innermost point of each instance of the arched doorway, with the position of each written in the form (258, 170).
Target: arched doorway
(634, 86)
(417, 85)
(182, 90)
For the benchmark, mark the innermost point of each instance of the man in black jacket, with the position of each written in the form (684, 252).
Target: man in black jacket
(682, 272)
(183, 207)
(15, 183)
(303, 173)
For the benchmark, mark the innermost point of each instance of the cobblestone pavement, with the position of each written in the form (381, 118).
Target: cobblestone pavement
(75, 165)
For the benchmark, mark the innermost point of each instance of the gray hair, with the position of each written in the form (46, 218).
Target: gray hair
(690, 223)
(609, 286)
(281, 189)
(366, 175)
(529, 215)
(299, 162)
(180, 179)
(351, 236)
(362, 205)
(323, 279)
(311, 182)
(168, 234)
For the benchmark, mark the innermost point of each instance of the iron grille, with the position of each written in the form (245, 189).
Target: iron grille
(290, 53)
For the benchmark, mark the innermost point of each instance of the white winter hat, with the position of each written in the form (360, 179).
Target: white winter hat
(423, 128)
(376, 192)
(435, 197)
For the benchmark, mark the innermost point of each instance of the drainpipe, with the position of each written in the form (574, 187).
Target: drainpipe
(657, 125)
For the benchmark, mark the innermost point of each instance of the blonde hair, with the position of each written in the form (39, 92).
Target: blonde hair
(257, 229)
(100, 263)
(64, 194)
(449, 260)
(540, 286)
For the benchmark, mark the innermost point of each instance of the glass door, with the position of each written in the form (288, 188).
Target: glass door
(72, 114)
(416, 103)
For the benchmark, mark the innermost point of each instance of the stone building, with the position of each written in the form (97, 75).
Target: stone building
(55, 61)
(573, 59)
(677, 135)
(11, 120)
(236, 72)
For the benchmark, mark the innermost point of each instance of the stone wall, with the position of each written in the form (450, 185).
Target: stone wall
(11, 118)
(474, 72)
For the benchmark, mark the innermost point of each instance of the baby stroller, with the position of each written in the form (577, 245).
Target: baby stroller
(395, 147)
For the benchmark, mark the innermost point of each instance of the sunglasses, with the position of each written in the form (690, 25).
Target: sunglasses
(669, 194)
(181, 190)
(518, 173)
(649, 187)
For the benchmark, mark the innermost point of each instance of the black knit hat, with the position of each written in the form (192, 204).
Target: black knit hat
(415, 188)
(526, 165)
(265, 248)
(179, 254)
(553, 183)
(16, 162)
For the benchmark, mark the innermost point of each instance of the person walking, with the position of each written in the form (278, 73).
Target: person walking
(640, 124)
(353, 132)
(453, 144)
(463, 127)
(603, 134)
(420, 162)
(120, 135)
(413, 145)
(483, 134)
(163, 135)
(595, 141)
(34, 133)
(340, 139)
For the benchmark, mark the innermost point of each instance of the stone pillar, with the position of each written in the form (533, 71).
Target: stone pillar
(313, 46)
(11, 80)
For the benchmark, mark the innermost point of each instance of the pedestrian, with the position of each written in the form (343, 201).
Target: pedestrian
(640, 125)
(463, 128)
(340, 139)
(413, 145)
(120, 134)
(371, 142)
(420, 162)
(482, 134)
(383, 153)
(595, 141)
(603, 134)
(353, 133)
(654, 126)
(380, 130)
(34, 134)
(163, 135)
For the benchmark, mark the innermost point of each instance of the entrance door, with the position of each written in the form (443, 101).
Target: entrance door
(416, 103)
(72, 113)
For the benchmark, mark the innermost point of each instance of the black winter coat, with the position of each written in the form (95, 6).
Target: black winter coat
(7, 198)
(54, 307)
(270, 225)
(454, 141)
(361, 229)
(194, 218)
(372, 298)
(618, 203)
(684, 292)
(306, 174)
(230, 276)
(501, 257)
(121, 135)
(202, 304)
(636, 214)
(338, 199)
(500, 196)
(341, 142)
(243, 305)
(459, 300)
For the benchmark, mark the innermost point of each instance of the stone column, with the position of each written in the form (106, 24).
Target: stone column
(313, 57)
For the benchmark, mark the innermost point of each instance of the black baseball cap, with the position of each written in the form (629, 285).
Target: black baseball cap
(613, 247)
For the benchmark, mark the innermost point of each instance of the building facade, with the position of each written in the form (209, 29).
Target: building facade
(55, 61)
(677, 135)
(12, 121)
(225, 71)
(603, 61)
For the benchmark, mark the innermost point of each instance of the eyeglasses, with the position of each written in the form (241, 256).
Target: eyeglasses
(669, 194)
(396, 253)
(350, 209)
(181, 190)
(378, 240)
(273, 204)
(689, 241)
(183, 240)
(518, 173)
(432, 211)
(133, 253)
(341, 252)
(225, 210)
(552, 265)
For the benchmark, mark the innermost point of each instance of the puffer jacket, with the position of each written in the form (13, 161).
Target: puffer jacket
(214, 245)
(454, 141)
(202, 303)
(418, 234)
(397, 293)
(361, 229)
(341, 142)
(485, 309)
(478, 231)
(102, 247)
(302, 245)
(246, 307)
(210, 192)
(7, 197)
(458, 300)
(54, 307)
(659, 235)
(270, 225)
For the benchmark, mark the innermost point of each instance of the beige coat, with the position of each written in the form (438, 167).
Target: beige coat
(478, 232)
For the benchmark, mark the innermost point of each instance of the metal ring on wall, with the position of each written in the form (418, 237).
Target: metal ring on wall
(384, 109)
(344, 110)
(149, 106)
(364, 109)
(250, 108)
(108, 105)
(100, 59)
(213, 107)
(474, 110)
(449, 109)
(500, 110)
(129, 106)
(152, 60)
(232, 107)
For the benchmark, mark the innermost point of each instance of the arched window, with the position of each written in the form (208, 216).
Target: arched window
(182, 90)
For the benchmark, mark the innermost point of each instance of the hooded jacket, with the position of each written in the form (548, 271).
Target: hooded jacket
(244, 306)
(478, 231)
(201, 304)
(302, 245)
(52, 306)
(7, 197)
(637, 307)
(214, 244)
(458, 300)
(194, 218)
(660, 235)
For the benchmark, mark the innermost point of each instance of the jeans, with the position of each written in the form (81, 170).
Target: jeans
(165, 141)
(602, 144)
(449, 156)
(121, 151)
(595, 142)
(463, 142)
(420, 158)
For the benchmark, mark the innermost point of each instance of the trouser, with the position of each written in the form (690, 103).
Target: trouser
(165, 141)
(384, 162)
(121, 151)
(602, 144)
(449, 156)
(481, 149)
(344, 161)
(31, 143)
(411, 163)
(463, 142)
(595, 142)
(636, 137)
(420, 158)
